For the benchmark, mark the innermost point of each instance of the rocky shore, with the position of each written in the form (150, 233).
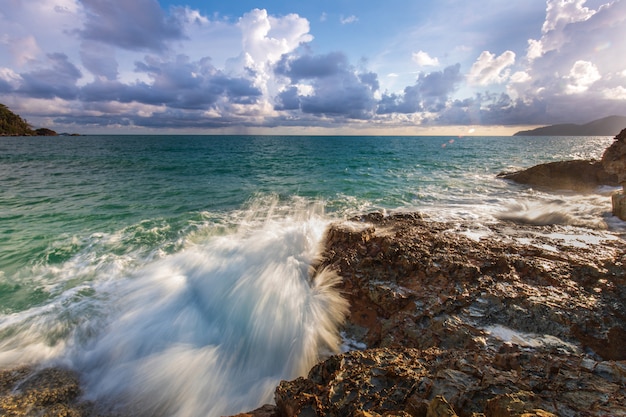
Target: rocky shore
(445, 319)
(513, 323)
(582, 175)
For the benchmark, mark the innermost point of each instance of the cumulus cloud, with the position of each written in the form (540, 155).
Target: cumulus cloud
(430, 93)
(489, 69)
(134, 64)
(336, 88)
(582, 75)
(422, 59)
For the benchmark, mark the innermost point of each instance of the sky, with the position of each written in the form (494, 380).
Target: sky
(456, 67)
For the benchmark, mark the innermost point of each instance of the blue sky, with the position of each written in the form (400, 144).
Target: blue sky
(299, 67)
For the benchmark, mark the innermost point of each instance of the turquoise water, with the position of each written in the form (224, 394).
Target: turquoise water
(139, 260)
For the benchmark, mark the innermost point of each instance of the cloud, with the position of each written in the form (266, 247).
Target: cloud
(489, 69)
(348, 20)
(336, 88)
(266, 38)
(422, 59)
(99, 59)
(178, 84)
(617, 93)
(582, 75)
(131, 24)
(430, 93)
(312, 66)
(58, 79)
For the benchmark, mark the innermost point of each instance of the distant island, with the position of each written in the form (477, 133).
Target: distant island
(13, 125)
(607, 126)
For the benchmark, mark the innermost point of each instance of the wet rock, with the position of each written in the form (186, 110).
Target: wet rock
(516, 323)
(614, 158)
(267, 410)
(575, 175)
(614, 162)
(27, 391)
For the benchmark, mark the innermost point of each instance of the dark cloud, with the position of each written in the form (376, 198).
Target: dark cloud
(130, 24)
(179, 84)
(338, 90)
(288, 100)
(430, 93)
(169, 119)
(57, 80)
(312, 66)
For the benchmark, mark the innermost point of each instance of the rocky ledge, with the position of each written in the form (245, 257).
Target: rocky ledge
(514, 321)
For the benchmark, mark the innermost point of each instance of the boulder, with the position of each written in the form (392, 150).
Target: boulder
(575, 175)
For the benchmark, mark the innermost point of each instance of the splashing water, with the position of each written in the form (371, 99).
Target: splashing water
(212, 329)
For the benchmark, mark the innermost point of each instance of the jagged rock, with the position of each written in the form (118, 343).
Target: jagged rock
(614, 162)
(496, 327)
(439, 407)
(614, 158)
(412, 282)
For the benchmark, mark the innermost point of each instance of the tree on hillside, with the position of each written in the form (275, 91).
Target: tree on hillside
(13, 125)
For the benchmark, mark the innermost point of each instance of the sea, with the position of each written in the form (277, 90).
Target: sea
(172, 272)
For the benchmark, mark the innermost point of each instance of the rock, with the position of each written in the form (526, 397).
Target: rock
(618, 201)
(614, 162)
(439, 407)
(494, 327)
(267, 410)
(27, 391)
(576, 175)
(614, 158)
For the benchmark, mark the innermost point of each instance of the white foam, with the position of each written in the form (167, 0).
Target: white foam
(213, 329)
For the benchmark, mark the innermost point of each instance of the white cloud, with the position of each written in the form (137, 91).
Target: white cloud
(535, 49)
(559, 15)
(422, 59)
(520, 77)
(348, 20)
(10, 77)
(562, 12)
(617, 93)
(582, 75)
(267, 38)
(489, 69)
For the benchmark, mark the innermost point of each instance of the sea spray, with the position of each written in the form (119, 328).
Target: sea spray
(212, 329)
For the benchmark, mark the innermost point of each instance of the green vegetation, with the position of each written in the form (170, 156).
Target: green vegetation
(13, 125)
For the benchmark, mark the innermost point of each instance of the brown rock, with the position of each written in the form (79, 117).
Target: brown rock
(267, 410)
(439, 407)
(26, 391)
(430, 304)
(614, 158)
(618, 201)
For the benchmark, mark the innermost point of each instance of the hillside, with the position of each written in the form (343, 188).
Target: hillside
(13, 125)
(607, 126)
